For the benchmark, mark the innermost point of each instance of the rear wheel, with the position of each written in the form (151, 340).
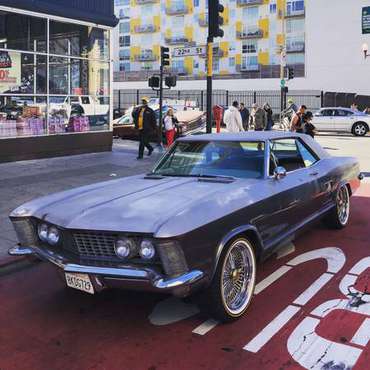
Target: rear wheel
(232, 287)
(338, 217)
(360, 129)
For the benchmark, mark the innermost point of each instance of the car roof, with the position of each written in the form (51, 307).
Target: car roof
(242, 136)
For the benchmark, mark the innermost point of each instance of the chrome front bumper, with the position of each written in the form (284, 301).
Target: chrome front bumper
(124, 276)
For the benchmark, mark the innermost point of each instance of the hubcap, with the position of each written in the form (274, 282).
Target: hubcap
(238, 276)
(343, 205)
(360, 130)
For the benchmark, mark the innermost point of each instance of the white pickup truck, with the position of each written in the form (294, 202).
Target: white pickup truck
(85, 104)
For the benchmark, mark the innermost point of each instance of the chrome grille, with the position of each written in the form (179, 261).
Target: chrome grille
(94, 244)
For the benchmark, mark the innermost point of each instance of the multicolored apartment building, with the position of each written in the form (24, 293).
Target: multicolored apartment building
(255, 33)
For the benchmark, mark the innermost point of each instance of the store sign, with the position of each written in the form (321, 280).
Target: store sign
(10, 71)
(190, 51)
(366, 20)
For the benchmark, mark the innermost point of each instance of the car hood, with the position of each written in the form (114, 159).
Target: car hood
(166, 207)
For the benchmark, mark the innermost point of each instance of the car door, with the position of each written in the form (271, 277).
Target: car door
(344, 120)
(324, 120)
(297, 189)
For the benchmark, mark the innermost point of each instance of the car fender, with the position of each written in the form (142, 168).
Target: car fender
(240, 230)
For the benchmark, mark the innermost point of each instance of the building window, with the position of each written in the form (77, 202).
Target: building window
(124, 41)
(250, 47)
(124, 27)
(124, 54)
(250, 14)
(273, 8)
(124, 13)
(124, 67)
(231, 62)
(196, 3)
(121, 2)
(295, 25)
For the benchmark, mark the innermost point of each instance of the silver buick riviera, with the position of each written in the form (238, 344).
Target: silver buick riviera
(212, 208)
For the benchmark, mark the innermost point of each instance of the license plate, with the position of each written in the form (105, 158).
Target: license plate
(80, 282)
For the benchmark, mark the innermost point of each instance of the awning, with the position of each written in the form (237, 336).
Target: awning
(94, 11)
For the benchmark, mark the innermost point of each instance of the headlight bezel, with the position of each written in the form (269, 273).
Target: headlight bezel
(50, 229)
(148, 246)
(132, 250)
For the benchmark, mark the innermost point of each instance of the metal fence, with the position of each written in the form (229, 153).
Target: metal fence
(313, 99)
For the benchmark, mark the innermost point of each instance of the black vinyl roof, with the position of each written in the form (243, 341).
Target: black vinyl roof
(94, 11)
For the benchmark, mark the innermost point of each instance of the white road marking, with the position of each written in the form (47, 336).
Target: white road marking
(360, 266)
(362, 335)
(285, 251)
(334, 256)
(271, 329)
(313, 289)
(172, 310)
(262, 285)
(205, 327)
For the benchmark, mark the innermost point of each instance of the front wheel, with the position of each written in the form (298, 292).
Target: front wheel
(338, 217)
(232, 288)
(360, 129)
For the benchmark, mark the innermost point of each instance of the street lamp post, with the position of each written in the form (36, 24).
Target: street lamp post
(365, 49)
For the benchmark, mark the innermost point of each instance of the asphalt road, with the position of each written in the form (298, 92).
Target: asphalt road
(311, 310)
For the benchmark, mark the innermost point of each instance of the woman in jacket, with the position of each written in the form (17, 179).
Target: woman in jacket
(233, 119)
(170, 126)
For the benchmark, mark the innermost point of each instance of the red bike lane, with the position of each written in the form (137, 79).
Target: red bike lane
(311, 310)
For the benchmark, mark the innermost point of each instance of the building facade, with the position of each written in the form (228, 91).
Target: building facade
(55, 77)
(255, 33)
(323, 42)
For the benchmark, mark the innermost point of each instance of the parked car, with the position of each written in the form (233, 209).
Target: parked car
(342, 120)
(212, 207)
(190, 122)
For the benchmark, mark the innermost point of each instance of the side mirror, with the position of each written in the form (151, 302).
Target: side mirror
(279, 173)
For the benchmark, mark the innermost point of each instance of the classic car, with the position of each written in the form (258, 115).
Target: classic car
(198, 223)
(190, 122)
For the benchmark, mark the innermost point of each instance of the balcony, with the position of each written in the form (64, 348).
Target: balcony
(141, 2)
(177, 40)
(146, 28)
(146, 56)
(180, 71)
(249, 2)
(295, 46)
(250, 33)
(294, 13)
(217, 53)
(249, 67)
(177, 9)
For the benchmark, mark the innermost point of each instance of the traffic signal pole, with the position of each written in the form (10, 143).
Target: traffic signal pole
(209, 83)
(160, 126)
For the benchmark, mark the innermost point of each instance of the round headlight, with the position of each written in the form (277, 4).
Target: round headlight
(42, 231)
(124, 247)
(147, 250)
(53, 236)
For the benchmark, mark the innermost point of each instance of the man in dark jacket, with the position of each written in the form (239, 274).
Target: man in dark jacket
(244, 112)
(145, 121)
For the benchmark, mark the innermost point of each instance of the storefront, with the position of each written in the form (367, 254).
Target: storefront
(55, 77)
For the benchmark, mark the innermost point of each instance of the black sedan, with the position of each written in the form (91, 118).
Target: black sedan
(211, 209)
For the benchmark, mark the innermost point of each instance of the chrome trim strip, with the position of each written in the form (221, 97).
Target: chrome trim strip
(185, 279)
(19, 251)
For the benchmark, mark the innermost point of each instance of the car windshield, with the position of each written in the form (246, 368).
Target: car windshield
(214, 159)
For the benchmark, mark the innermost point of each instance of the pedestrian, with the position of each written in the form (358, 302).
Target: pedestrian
(233, 119)
(257, 118)
(146, 122)
(367, 110)
(309, 128)
(244, 112)
(354, 107)
(170, 122)
(292, 105)
(269, 113)
(296, 124)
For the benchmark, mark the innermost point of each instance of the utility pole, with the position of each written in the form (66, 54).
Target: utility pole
(214, 22)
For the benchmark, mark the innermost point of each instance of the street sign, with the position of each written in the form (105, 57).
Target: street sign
(366, 20)
(189, 51)
(282, 83)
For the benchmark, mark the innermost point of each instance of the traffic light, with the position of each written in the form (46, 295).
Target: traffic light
(165, 56)
(170, 81)
(154, 81)
(215, 19)
(290, 73)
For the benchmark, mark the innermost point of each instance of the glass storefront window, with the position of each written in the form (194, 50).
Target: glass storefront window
(22, 32)
(22, 116)
(81, 41)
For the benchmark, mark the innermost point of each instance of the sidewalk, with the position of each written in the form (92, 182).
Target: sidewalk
(26, 180)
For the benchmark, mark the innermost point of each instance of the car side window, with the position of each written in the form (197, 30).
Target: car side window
(343, 113)
(85, 100)
(285, 153)
(308, 157)
(327, 112)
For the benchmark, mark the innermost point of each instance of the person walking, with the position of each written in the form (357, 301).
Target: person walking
(233, 118)
(170, 122)
(269, 121)
(296, 124)
(146, 122)
(244, 112)
(292, 106)
(257, 118)
(309, 128)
